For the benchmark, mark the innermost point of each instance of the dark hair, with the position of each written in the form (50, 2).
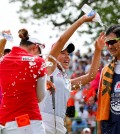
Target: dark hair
(23, 34)
(114, 29)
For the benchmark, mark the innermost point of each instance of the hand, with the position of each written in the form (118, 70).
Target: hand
(50, 86)
(3, 41)
(88, 18)
(100, 42)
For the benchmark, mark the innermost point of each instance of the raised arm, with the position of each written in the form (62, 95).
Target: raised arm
(2, 46)
(56, 49)
(82, 80)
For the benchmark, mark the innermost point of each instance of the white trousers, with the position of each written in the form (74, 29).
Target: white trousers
(36, 127)
(49, 123)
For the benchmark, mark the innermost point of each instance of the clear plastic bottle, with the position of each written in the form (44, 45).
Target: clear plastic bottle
(90, 12)
(7, 36)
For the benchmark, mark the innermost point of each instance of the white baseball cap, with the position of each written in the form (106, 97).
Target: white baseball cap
(36, 41)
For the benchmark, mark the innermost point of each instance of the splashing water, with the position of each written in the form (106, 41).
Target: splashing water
(105, 26)
(80, 85)
(47, 63)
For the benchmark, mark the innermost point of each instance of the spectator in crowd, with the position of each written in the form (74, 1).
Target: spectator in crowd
(78, 54)
(70, 112)
(91, 107)
(87, 92)
(79, 100)
(90, 53)
(81, 120)
(87, 67)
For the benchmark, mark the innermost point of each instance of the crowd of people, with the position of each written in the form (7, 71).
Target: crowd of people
(82, 104)
(27, 93)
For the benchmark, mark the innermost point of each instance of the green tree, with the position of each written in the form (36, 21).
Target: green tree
(64, 12)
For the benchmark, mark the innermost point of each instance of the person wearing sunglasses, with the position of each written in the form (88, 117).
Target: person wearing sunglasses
(112, 41)
(108, 112)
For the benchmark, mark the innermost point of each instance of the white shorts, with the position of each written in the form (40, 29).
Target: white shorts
(36, 127)
(49, 123)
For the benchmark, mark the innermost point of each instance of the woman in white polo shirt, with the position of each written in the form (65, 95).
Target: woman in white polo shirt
(63, 84)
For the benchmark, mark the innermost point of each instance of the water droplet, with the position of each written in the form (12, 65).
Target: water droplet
(13, 84)
(43, 65)
(39, 72)
(34, 76)
(46, 64)
(73, 86)
(32, 63)
(50, 56)
(4, 105)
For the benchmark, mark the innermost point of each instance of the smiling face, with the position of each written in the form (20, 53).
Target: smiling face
(114, 48)
(64, 59)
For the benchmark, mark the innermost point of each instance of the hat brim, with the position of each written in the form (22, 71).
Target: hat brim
(70, 48)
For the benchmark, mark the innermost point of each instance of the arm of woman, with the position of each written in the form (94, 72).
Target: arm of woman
(2, 46)
(41, 88)
(57, 47)
(82, 80)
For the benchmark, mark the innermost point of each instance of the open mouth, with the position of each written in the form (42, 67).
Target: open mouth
(66, 62)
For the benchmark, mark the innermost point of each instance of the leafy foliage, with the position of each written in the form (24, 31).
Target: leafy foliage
(65, 12)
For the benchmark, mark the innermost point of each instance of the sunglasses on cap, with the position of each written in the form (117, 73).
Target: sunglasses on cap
(112, 42)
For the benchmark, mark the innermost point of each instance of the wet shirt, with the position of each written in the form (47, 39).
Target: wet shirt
(62, 94)
(19, 72)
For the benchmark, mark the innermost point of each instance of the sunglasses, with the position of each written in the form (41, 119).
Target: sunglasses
(112, 42)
